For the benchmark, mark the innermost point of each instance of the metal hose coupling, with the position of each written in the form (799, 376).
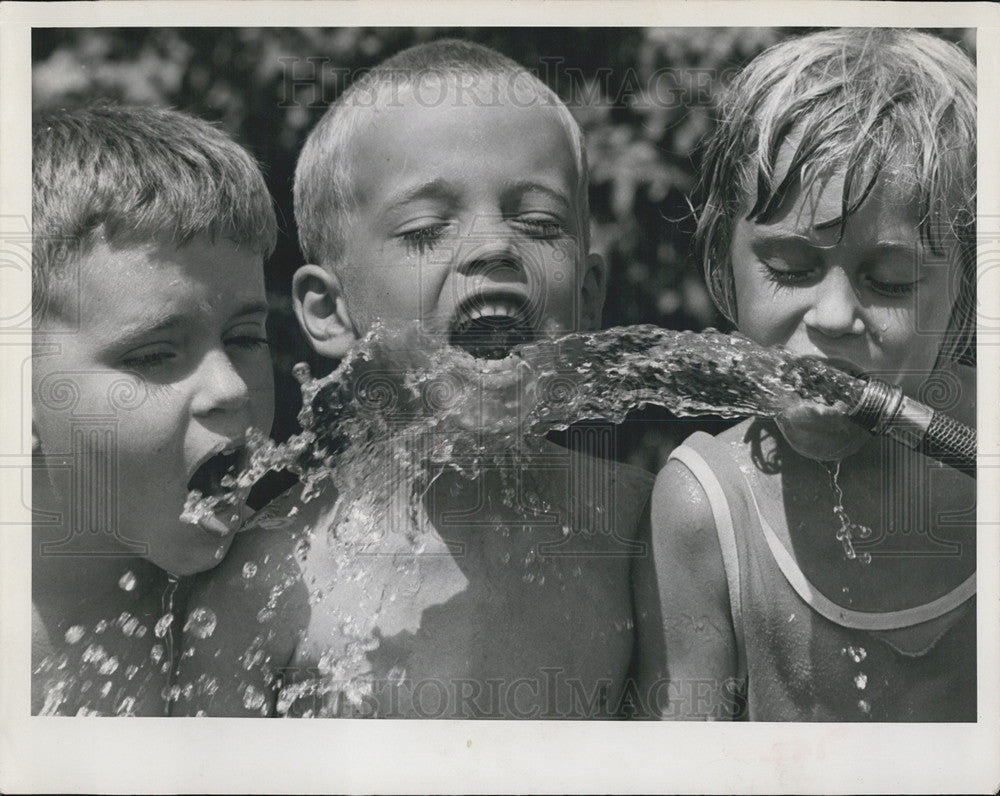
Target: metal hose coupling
(883, 410)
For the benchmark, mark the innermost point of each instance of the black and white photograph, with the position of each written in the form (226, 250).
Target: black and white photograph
(594, 380)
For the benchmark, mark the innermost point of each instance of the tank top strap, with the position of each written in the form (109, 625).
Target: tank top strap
(845, 617)
(696, 464)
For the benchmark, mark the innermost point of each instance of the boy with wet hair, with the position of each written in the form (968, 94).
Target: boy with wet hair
(150, 363)
(447, 187)
(805, 570)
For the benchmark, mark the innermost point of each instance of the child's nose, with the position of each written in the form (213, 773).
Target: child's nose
(220, 386)
(490, 252)
(835, 310)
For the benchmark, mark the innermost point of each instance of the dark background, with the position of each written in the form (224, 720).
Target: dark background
(643, 97)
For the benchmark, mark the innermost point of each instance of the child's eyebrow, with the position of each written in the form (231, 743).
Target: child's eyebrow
(774, 240)
(165, 322)
(433, 189)
(151, 325)
(528, 186)
(252, 308)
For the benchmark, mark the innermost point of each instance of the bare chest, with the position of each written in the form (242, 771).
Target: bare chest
(486, 622)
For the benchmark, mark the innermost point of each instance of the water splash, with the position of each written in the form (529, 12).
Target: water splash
(163, 624)
(404, 407)
(444, 407)
(74, 634)
(856, 654)
(201, 622)
(848, 528)
(127, 581)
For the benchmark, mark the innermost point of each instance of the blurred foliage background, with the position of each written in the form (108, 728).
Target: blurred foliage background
(643, 97)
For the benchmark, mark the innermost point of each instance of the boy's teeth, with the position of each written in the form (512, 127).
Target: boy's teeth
(491, 310)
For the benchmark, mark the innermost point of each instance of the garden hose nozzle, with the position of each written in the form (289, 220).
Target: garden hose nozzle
(883, 410)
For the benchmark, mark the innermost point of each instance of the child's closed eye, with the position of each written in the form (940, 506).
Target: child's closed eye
(249, 342)
(892, 289)
(148, 361)
(422, 239)
(785, 274)
(541, 226)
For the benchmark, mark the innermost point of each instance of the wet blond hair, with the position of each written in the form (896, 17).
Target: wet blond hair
(868, 102)
(323, 172)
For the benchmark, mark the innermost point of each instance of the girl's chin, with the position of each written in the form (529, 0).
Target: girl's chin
(821, 432)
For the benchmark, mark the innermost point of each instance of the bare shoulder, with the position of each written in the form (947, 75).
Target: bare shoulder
(684, 627)
(610, 488)
(686, 551)
(681, 516)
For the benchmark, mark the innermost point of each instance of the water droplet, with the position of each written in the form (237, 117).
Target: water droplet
(201, 622)
(171, 694)
(94, 654)
(220, 552)
(265, 615)
(127, 581)
(106, 688)
(857, 654)
(864, 707)
(163, 625)
(156, 653)
(126, 707)
(130, 627)
(101, 626)
(131, 672)
(74, 634)
(861, 681)
(252, 698)
(249, 570)
(85, 711)
(109, 666)
(140, 631)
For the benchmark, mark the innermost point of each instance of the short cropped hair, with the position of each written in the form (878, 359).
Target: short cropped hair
(323, 173)
(865, 101)
(132, 175)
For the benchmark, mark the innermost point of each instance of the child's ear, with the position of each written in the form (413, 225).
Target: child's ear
(595, 282)
(318, 300)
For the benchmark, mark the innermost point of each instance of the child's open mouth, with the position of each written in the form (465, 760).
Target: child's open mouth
(491, 328)
(213, 501)
(210, 477)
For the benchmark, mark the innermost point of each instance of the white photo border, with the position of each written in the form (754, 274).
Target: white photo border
(221, 755)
